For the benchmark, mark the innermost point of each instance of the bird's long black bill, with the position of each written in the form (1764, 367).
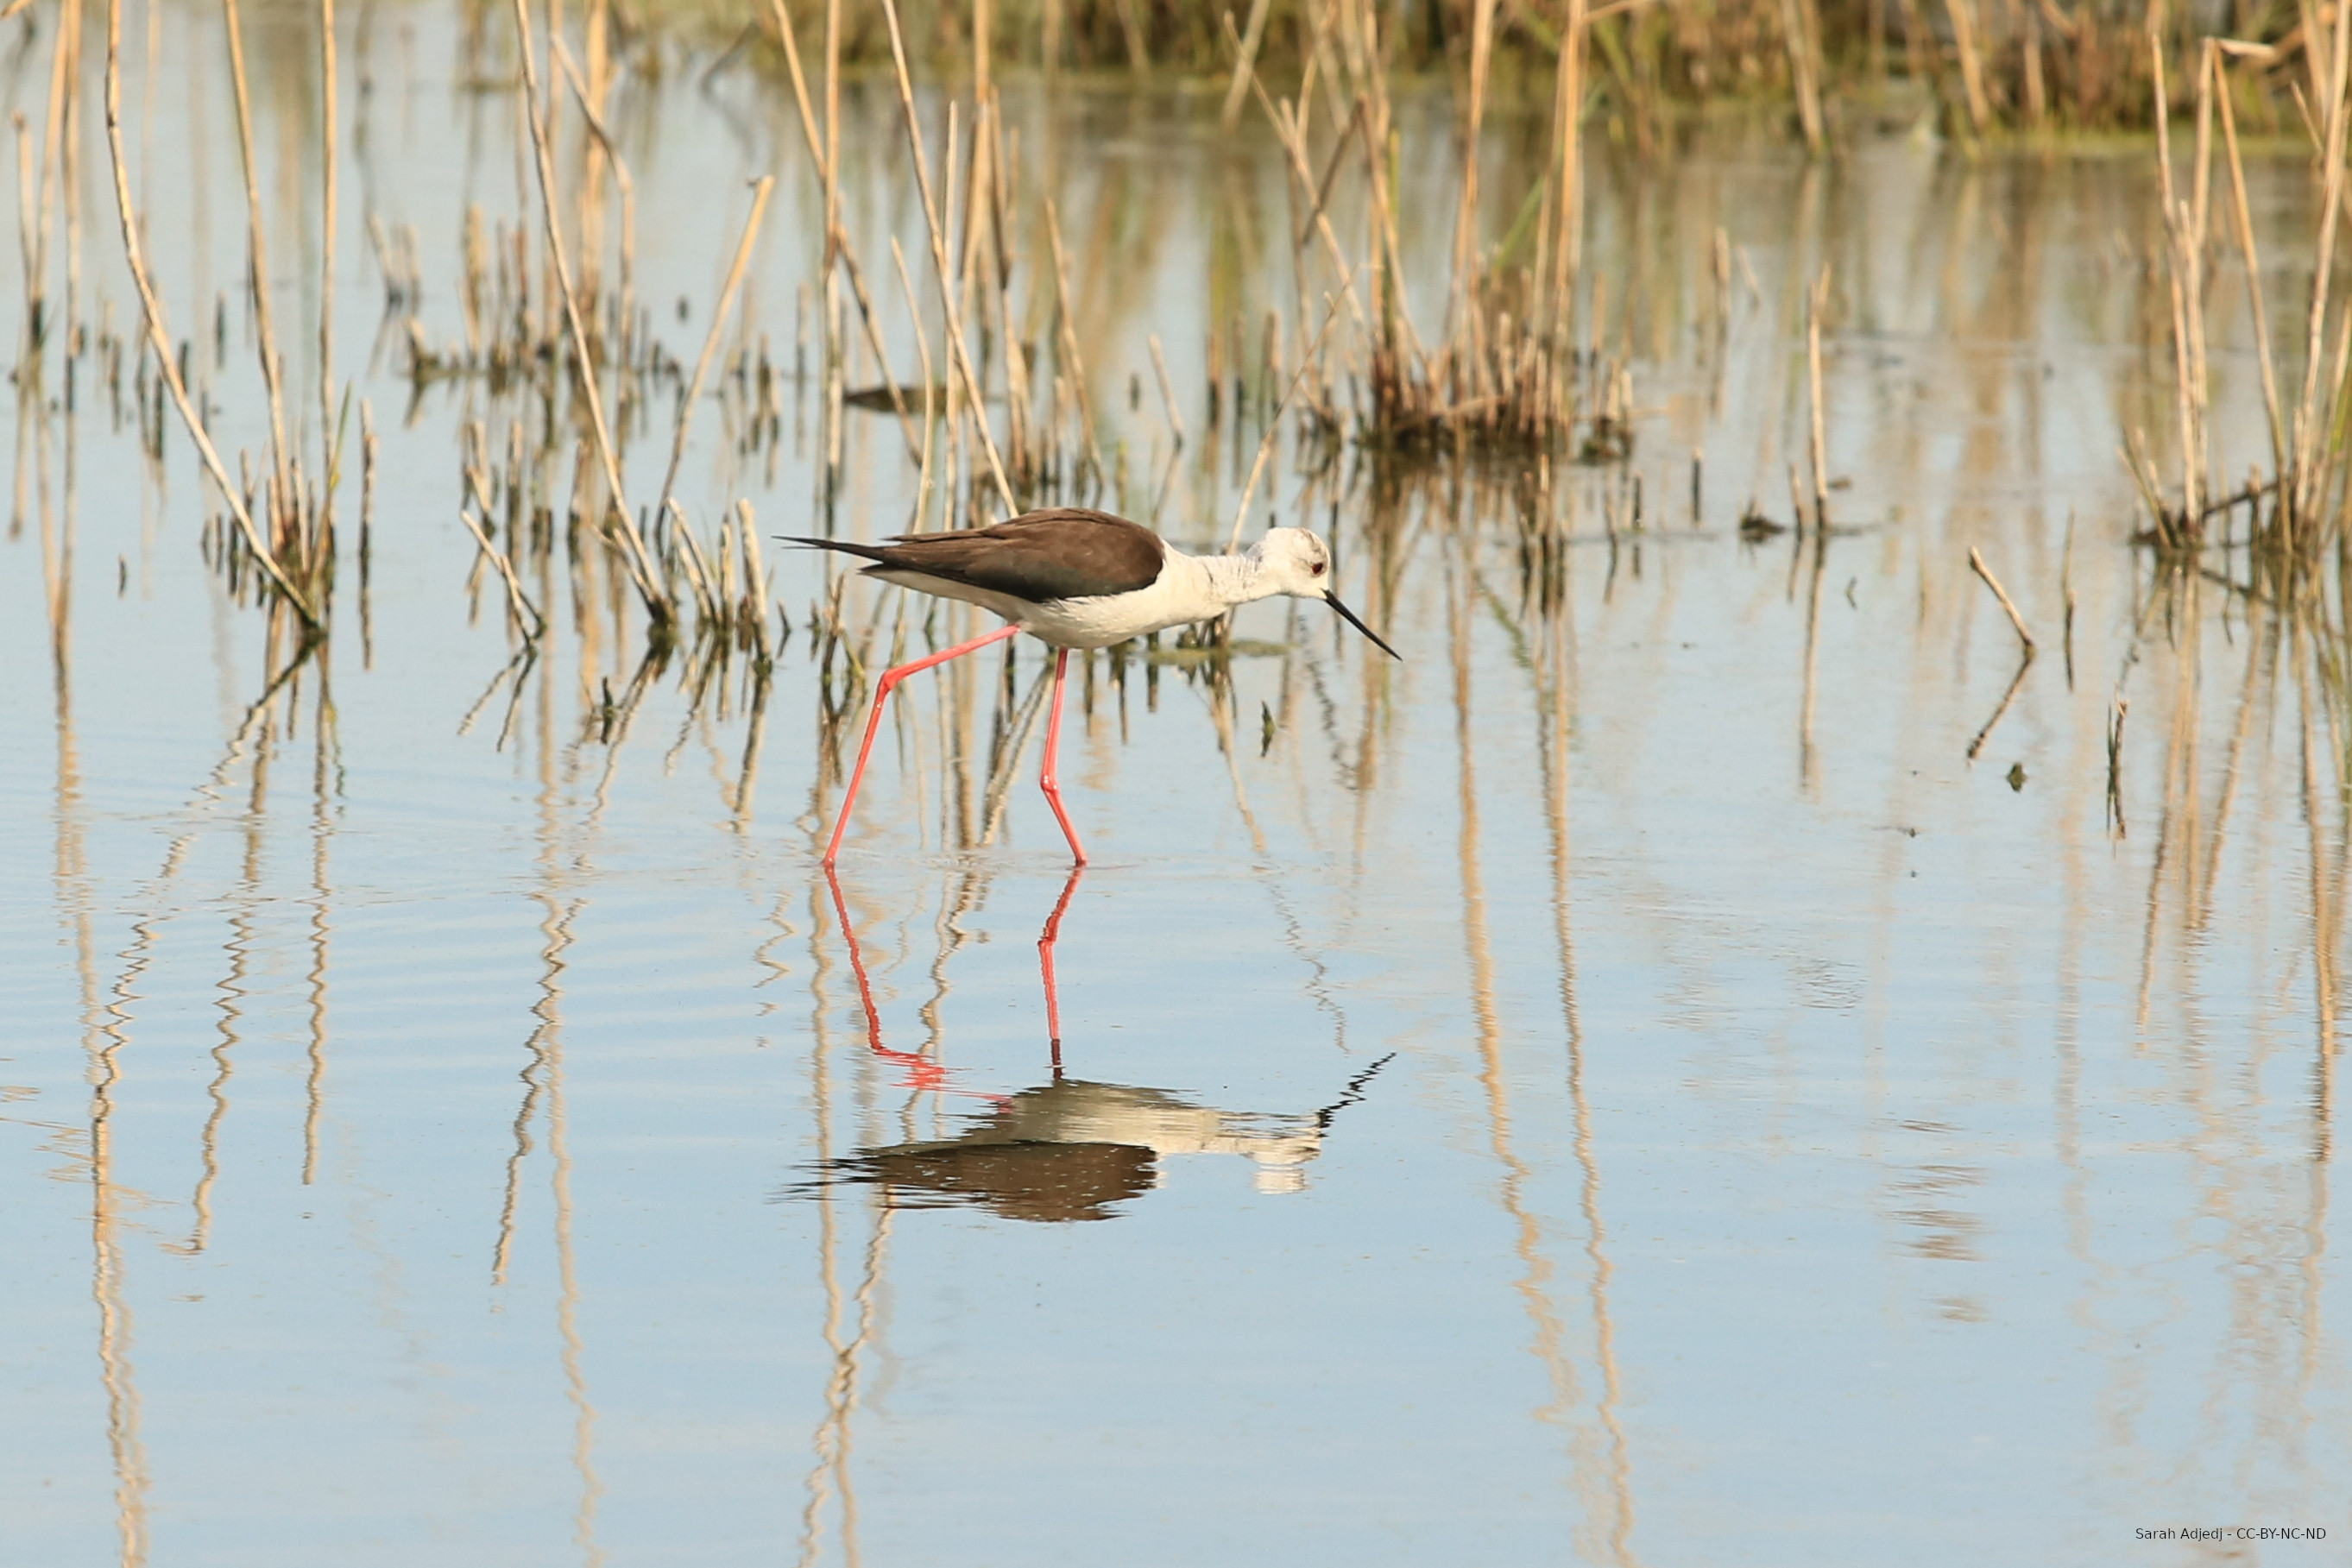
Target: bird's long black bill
(1349, 617)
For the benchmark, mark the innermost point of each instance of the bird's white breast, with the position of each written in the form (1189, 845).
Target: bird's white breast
(1184, 592)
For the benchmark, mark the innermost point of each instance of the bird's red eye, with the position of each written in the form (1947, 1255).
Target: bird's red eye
(1319, 567)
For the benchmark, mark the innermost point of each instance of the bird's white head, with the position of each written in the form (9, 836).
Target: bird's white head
(1295, 561)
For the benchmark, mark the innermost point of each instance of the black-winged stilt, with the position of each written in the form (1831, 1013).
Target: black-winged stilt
(1073, 578)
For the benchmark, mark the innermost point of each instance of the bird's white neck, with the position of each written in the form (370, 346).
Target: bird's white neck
(1231, 579)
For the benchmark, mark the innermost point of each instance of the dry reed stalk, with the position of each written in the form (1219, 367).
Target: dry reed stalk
(1972, 82)
(2037, 92)
(836, 244)
(69, 163)
(2187, 261)
(283, 510)
(1295, 133)
(1291, 132)
(2308, 426)
(329, 113)
(160, 340)
(1564, 232)
(1464, 306)
(960, 284)
(27, 252)
(832, 159)
(979, 204)
(1977, 564)
(1068, 351)
(1274, 424)
(1139, 59)
(760, 189)
(55, 128)
(959, 358)
(1002, 190)
(1816, 303)
(923, 354)
(626, 306)
(657, 601)
(1802, 75)
(1244, 62)
(2256, 309)
(2312, 27)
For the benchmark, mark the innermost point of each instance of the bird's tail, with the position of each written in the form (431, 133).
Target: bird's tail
(870, 552)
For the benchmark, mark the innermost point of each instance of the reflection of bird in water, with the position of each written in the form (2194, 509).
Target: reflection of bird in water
(1077, 579)
(1071, 1149)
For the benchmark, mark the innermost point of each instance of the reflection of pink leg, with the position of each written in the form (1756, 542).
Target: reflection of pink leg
(1047, 779)
(1053, 934)
(882, 690)
(922, 1072)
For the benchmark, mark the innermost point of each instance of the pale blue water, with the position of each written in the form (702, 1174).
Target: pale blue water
(1744, 1132)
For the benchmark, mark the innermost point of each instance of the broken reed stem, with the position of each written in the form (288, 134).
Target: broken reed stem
(2016, 682)
(1976, 563)
(1167, 394)
(958, 360)
(697, 572)
(760, 188)
(167, 366)
(755, 580)
(518, 604)
(2115, 716)
(657, 601)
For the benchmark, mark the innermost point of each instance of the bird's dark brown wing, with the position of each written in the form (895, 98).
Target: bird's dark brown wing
(1060, 552)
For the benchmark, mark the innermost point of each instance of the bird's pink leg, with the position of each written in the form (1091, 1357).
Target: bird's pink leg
(882, 690)
(1047, 779)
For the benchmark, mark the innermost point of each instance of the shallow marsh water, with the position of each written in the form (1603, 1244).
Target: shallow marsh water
(1624, 1085)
